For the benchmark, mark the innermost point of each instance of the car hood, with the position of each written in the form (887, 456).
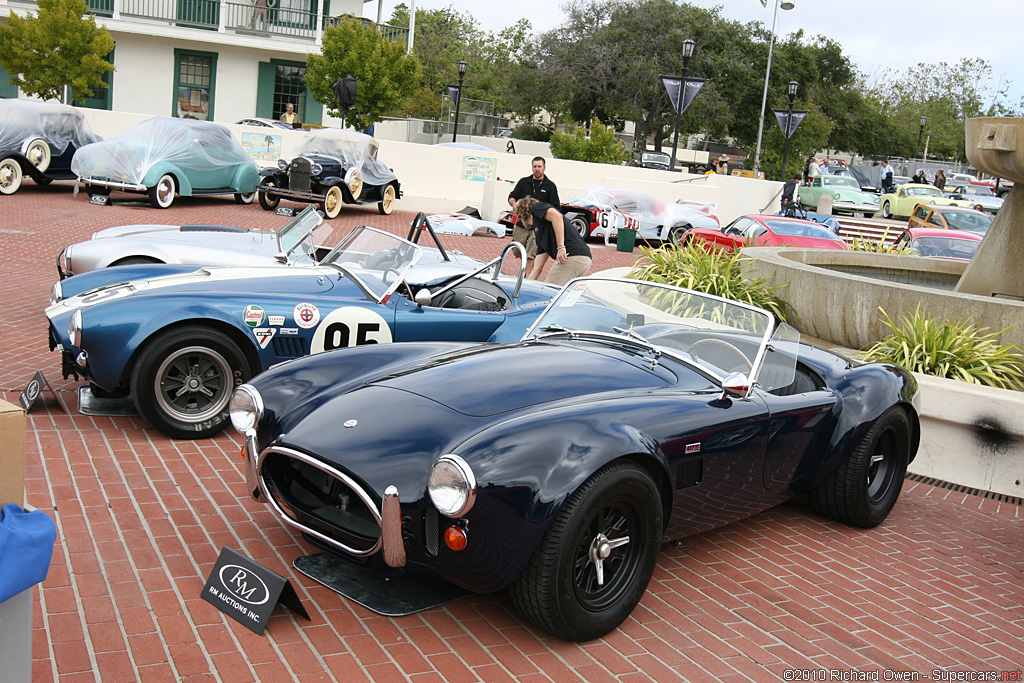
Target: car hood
(491, 380)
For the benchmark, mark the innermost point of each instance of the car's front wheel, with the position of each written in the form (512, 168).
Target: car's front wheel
(597, 557)
(331, 205)
(184, 378)
(161, 195)
(863, 490)
(387, 202)
(268, 201)
(10, 176)
(886, 210)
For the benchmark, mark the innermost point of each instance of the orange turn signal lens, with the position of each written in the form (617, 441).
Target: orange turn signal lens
(455, 538)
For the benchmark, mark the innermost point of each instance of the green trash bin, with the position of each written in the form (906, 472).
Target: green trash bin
(626, 239)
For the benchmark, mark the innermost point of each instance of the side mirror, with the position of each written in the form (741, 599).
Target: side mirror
(736, 385)
(423, 297)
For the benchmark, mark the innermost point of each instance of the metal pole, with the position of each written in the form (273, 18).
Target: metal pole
(688, 47)
(764, 97)
(458, 104)
(785, 150)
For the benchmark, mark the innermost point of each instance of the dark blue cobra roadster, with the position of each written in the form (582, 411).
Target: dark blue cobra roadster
(630, 413)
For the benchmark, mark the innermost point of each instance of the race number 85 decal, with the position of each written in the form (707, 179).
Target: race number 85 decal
(350, 326)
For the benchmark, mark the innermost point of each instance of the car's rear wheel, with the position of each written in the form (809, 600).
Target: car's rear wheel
(184, 378)
(594, 563)
(863, 490)
(581, 225)
(331, 205)
(244, 197)
(886, 210)
(268, 201)
(10, 176)
(161, 195)
(675, 236)
(387, 201)
(38, 153)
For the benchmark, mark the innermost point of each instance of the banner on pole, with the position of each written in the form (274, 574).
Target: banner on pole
(454, 91)
(682, 91)
(789, 120)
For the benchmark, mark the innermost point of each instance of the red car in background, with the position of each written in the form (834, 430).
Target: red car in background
(766, 231)
(954, 245)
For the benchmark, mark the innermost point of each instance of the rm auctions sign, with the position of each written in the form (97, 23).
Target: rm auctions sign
(247, 592)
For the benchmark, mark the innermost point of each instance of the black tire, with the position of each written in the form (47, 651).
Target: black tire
(161, 195)
(863, 490)
(581, 225)
(266, 201)
(44, 180)
(387, 202)
(244, 197)
(886, 210)
(675, 235)
(558, 589)
(333, 200)
(202, 357)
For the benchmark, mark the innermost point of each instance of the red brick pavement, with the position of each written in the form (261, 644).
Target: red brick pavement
(141, 519)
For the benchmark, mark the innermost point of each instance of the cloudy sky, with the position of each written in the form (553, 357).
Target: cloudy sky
(875, 34)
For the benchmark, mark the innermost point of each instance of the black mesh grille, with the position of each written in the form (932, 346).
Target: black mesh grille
(298, 174)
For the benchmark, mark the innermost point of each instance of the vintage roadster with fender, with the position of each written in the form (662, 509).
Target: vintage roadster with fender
(630, 413)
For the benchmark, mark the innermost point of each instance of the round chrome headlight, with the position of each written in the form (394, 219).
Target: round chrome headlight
(245, 408)
(316, 169)
(837, 196)
(75, 329)
(56, 293)
(282, 164)
(452, 486)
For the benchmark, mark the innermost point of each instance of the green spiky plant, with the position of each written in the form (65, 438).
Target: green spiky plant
(879, 246)
(710, 271)
(960, 351)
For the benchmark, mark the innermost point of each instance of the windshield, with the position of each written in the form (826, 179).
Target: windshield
(297, 235)
(801, 229)
(945, 247)
(973, 221)
(841, 181)
(923, 191)
(377, 260)
(717, 335)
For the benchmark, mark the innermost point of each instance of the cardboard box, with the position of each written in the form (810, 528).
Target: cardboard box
(12, 454)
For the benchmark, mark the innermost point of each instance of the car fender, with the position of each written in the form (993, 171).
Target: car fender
(103, 277)
(247, 177)
(162, 168)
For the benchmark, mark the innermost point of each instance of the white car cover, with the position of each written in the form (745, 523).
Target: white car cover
(356, 150)
(58, 124)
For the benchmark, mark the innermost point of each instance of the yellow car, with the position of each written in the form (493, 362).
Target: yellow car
(901, 201)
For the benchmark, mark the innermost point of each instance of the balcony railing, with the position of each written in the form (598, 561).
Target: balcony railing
(249, 17)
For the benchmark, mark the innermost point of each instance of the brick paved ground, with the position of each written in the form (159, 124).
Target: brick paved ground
(142, 518)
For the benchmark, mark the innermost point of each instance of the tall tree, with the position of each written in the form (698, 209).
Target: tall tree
(386, 76)
(56, 48)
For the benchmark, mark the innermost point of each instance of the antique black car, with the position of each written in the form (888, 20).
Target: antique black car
(38, 140)
(630, 413)
(331, 167)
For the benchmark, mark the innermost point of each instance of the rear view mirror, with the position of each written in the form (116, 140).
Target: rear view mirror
(423, 297)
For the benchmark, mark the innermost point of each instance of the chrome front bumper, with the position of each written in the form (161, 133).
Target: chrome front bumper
(389, 517)
(116, 184)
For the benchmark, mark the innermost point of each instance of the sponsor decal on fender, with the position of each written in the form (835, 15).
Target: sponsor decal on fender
(693, 448)
(253, 315)
(289, 330)
(306, 315)
(350, 326)
(277, 320)
(264, 335)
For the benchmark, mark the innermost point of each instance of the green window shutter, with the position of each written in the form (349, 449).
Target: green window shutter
(314, 110)
(265, 90)
(6, 89)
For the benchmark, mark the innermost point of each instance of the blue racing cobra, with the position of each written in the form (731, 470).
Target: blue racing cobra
(179, 340)
(631, 413)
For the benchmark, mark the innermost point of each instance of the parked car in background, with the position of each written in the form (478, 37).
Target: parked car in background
(657, 160)
(632, 413)
(163, 157)
(264, 123)
(1003, 187)
(949, 218)
(766, 231)
(972, 179)
(978, 195)
(904, 198)
(38, 140)
(600, 210)
(331, 167)
(847, 197)
(178, 339)
(956, 245)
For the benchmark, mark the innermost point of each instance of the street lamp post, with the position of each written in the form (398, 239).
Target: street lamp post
(458, 102)
(787, 5)
(688, 46)
(791, 93)
(920, 134)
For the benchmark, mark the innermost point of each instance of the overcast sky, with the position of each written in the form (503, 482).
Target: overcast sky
(875, 34)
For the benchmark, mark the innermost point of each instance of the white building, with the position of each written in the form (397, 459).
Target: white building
(220, 60)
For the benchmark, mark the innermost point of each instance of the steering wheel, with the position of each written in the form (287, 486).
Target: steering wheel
(718, 343)
(408, 289)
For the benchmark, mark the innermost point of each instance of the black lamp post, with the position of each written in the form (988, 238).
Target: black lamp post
(791, 93)
(458, 102)
(688, 46)
(920, 134)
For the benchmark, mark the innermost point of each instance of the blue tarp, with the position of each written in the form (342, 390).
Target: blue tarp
(26, 547)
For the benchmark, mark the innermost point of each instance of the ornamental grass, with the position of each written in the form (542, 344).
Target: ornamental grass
(711, 271)
(879, 246)
(960, 351)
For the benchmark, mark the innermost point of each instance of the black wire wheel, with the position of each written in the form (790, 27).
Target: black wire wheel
(864, 488)
(595, 561)
(268, 201)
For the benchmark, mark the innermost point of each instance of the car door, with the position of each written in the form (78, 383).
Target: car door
(429, 323)
(920, 217)
(734, 235)
(809, 195)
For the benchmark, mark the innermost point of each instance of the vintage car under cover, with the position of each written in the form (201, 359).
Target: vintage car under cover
(179, 339)
(630, 413)
(332, 167)
(38, 139)
(165, 156)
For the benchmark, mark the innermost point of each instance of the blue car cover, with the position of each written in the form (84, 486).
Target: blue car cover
(26, 547)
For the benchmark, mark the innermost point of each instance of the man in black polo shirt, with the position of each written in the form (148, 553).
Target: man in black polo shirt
(566, 247)
(540, 187)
